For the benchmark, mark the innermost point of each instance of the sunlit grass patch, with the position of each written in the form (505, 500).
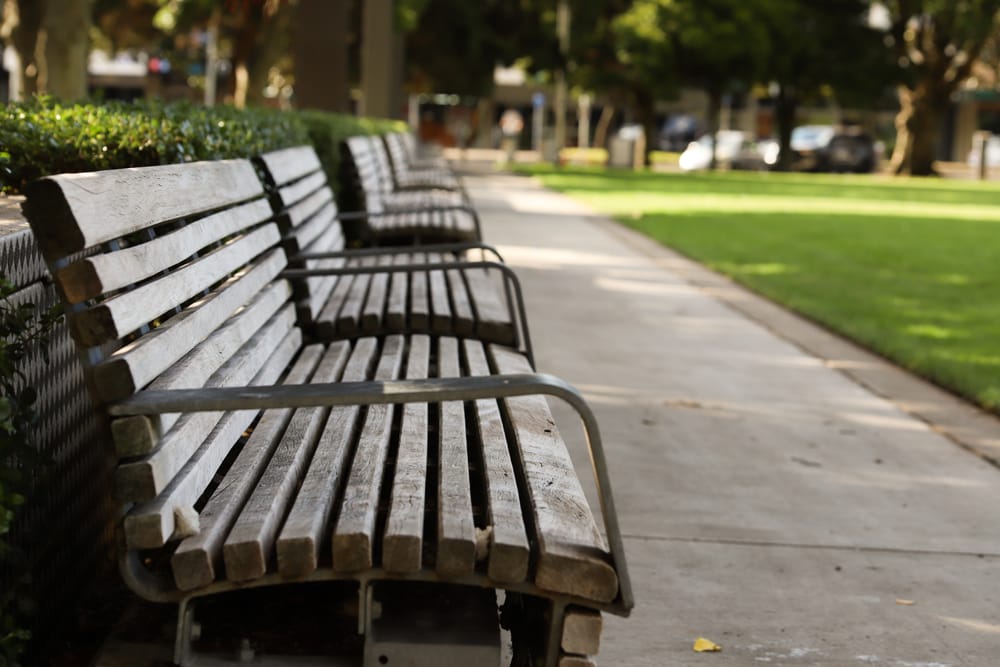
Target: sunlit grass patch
(908, 267)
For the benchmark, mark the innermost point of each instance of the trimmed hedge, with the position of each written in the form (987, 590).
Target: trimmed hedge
(45, 137)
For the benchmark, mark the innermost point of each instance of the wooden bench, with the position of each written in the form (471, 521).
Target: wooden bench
(425, 215)
(249, 456)
(408, 174)
(405, 144)
(440, 289)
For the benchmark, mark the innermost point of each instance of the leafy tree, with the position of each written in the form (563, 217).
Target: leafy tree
(818, 48)
(936, 44)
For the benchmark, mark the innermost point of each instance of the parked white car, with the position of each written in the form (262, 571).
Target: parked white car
(698, 154)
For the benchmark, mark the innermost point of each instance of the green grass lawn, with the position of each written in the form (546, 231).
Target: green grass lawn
(908, 267)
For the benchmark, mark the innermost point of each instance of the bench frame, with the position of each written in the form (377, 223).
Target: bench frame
(375, 393)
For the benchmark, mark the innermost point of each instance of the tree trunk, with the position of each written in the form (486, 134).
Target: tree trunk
(645, 116)
(918, 125)
(713, 111)
(22, 20)
(65, 36)
(603, 123)
(321, 55)
(785, 111)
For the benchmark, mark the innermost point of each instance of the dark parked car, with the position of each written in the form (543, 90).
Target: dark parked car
(829, 148)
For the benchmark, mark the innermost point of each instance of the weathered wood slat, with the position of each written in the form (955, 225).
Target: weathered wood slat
(569, 542)
(395, 306)
(582, 631)
(127, 312)
(136, 364)
(328, 317)
(303, 188)
(493, 318)
(307, 232)
(289, 164)
(309, 519)
(456, 539)
(420, 310)
(78, 211)
(509, 549)
(349, 317)
(150, 525)
(402, 544)
(299, 212)
(144, 478)
(371, 316)
(103, 273)
(198, 558)
(134, 436)
(576, 661)
(354, 534)
(251, 541)
(440, 304)
(463, 321)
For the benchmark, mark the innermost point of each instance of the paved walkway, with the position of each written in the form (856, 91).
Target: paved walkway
(774, 501)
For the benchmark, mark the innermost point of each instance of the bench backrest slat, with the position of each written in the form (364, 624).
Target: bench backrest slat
(291, 164)
(84, 210)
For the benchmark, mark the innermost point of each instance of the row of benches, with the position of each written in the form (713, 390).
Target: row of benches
(286, 408)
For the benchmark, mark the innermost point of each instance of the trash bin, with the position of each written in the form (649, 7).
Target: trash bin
(621, 152)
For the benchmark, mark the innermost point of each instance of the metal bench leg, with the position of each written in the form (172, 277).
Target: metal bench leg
(187, 632)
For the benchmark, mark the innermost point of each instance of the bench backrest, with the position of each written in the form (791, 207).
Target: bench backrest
(399, 157)
(171, 280)
(307, 213)
(371, 169)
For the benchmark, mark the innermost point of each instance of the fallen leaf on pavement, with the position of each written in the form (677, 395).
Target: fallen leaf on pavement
(906, 603)
(702, 645)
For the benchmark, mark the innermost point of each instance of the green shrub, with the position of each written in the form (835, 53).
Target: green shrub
(44, 137)
(327, 130)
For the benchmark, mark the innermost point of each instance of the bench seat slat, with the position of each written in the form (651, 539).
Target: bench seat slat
(395, 307)
(354, 533)
(150, 525)
(493, 318)
(308, 521)
(509, 551)
(571, 550)
(198, 558)
(420, 310)
(128, 311)
(251, 541)
(402, 543)
(463, 320)
(375, 302)
(456, 539)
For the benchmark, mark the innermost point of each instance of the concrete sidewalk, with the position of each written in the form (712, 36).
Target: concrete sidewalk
(780, 503)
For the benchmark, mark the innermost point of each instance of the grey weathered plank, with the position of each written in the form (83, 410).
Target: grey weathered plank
(102, 273)
(82, 210)
(299, 212)
(582, 631)
(509, 552)
(134, 436)
(456, 539)
(144, 478)
(329, 314)
(354, 533)
(349, 318)
(251, 540)
(567, 660)
(150, 525)
(303, 188)
(136, 364)
(198, 558)
(420, 310)
(372, 315)
(493, 317)
(309, 519)
(440, 305)
(463, 321)
(402, 543)
(130, 310)
(395, 306)
(308, 231)
(570, 545)
(288, 164)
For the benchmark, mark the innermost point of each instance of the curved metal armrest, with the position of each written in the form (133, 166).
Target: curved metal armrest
(432, 390)
(509, 275)
(390, 250)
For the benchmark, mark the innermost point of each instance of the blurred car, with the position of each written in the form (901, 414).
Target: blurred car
(698, 154)
(678, 131)
(733, 150)
(829, 148)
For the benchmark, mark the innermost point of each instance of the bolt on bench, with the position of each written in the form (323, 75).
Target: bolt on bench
(410, 468)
